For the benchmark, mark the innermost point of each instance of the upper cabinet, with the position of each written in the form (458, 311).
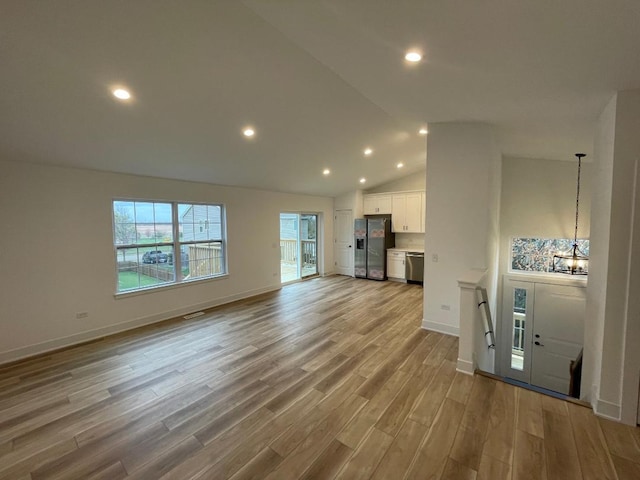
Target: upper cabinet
(377, 204)
(407, 212)
(407, 209)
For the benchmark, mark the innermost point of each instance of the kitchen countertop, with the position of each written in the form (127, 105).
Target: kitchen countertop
(406, 249)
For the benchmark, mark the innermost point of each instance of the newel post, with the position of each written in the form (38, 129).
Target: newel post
(468, 320)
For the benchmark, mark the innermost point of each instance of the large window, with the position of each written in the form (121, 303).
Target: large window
(536, 254)
(159, 243)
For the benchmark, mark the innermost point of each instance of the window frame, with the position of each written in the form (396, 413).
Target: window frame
(549, 273)
(175, 244)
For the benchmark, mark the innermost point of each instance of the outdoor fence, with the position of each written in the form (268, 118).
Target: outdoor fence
(161, 273)
(205, 260)
(202, 261)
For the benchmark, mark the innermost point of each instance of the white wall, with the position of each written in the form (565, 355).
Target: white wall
(57, 257)
(485, 357)
(414, 181)
(613, 290)
(599, 245)
(350, 201)
(462, 162)
(539, 199)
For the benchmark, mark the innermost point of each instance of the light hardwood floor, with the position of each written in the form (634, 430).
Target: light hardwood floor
(328, 378)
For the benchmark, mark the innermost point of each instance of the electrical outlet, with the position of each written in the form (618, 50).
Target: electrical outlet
(80, 315)
(434, 258)
(445, 307)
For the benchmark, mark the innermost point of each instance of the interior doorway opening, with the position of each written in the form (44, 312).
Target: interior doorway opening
(298, 246)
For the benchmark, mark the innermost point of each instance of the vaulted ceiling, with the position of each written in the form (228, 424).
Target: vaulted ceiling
(319, 81)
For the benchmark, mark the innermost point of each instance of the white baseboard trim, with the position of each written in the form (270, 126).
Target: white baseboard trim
(609, 410)
(465, 366)
(49, 345)
(441, 328)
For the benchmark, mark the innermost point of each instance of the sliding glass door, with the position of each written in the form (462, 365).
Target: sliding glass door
(298, 246)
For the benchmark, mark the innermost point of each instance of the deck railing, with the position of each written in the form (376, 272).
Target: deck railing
(289, 251)
(518, 333)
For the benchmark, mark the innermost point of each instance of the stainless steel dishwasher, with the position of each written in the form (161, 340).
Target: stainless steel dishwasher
(414, 266)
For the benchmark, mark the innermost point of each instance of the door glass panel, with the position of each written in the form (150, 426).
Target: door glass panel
(298, 246)
(519, 321)
(308, 242)
(289, 251)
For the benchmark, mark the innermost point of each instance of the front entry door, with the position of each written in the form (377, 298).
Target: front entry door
(344, 242)
(542, 332)
(558, 333)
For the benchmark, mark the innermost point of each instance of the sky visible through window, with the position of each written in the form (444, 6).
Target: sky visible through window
(145, 212)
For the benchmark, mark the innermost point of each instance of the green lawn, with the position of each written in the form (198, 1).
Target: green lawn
(129, 280)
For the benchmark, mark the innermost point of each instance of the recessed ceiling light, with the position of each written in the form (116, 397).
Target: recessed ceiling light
(423, 131)
(400, 165)
(413, 56)
(326, 171)
(368, 151)
(121, 94)
(248, 132)
(362, 180)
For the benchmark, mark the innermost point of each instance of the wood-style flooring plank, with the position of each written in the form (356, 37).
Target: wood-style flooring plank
(560, 447)
(356, 430)
(18, 464)
(620, 440)
(530, 413)
(329, 462)
(592, 452)
(460, 387)
(401, 451)
(433, 454)
(469, 443)
(626, 469)
(115, 471)
(365, 459)
(529, 457)
(457, 471)
(492, 469)
(427, 407)
(303, 456)
(500, 442)
(259, 466)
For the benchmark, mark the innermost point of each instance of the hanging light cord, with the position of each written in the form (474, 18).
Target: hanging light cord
(575, 232)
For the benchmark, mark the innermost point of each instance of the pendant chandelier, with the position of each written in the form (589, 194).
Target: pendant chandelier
(573, 262)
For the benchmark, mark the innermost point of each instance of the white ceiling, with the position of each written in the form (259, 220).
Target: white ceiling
(319, 80)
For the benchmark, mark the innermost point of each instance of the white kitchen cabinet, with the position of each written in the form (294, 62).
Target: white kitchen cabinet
(377, 204)
(407, 212)
(396, 265)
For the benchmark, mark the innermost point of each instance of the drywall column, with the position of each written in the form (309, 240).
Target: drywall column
(461, 216)
(612, 334)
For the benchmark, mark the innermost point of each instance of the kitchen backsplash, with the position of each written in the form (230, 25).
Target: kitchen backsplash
(410, 240)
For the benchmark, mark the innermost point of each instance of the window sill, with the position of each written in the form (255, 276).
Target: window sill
(553, 278)
(169, 286)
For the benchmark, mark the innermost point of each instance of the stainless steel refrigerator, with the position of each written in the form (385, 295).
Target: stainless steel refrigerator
(372, 238)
